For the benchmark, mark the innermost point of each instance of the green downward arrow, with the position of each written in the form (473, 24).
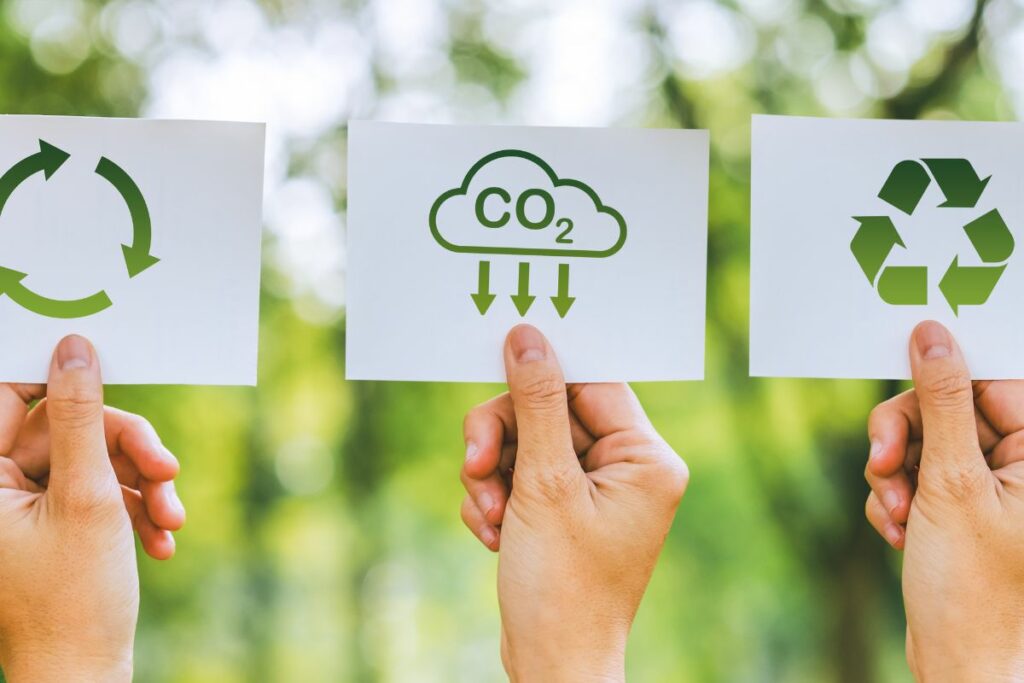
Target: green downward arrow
(10, 284)
(563, 302)
(48, 159)
(483, 297)
(136, 255)
(875, 238)
(969, 285)
(523, 300)
(958, 181)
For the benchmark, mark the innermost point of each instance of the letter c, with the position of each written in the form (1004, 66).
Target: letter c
(482, 216)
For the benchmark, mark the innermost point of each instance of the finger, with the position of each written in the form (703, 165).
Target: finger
(158, 543)
(892, 532)
(134, 437)
(604, 409)
(891, 425)
(14, 400)
(162, 504)
(80, 469)
(540, 402)
(943, 387)
(486, 429)
(490, 495)
(893, 492)
(134, 448)
(490, 433)
(1009, 451)
(475, 522)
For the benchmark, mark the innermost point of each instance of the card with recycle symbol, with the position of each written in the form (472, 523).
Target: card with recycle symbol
(142, 235)
(862, 229)
(457, 233)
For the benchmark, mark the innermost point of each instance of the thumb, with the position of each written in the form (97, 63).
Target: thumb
(943, 387)
(80, 467)
(541, 406)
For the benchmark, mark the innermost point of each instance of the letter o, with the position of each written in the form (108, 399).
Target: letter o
(549, 209)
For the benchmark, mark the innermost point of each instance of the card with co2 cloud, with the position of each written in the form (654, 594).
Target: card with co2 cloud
(862, 229)
(598, 237)
(143, 236)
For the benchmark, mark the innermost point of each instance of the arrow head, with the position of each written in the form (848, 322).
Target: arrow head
(483, 302)
(51, 158)
(523, 302)
(136, 260)
(9, 278)
(948, 285)
(563, 304)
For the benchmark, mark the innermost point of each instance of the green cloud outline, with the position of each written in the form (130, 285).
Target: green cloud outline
(524, 251)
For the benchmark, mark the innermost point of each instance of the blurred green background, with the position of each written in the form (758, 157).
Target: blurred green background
(324, 541)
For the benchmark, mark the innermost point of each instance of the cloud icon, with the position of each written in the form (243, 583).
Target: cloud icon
(512, 202)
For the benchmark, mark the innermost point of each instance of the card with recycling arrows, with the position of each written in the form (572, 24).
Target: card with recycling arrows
(860, 229)
(142, 235)
(598, 237)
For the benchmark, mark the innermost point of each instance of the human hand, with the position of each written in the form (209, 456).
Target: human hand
(947, 476)
(69, 588)
(579, 492)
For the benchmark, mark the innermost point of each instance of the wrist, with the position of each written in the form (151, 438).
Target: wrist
(589, 660)
(963, 662)
(63, 664)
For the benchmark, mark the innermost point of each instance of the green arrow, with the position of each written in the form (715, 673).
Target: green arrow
(48, 159)
(10, 284)
(990, 237)
(959, 182)
(906, 186)
(523, 300)
(904, 285)
(875, 238)
(136, 255)
(969, 285)
(563, 302)
(483, 297)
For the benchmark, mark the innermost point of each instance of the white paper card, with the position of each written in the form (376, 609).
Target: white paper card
(458, 233)
(862, 229)
(143, 236)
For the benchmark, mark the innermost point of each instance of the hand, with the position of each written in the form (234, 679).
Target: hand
(69, 592)
(947, 476)
(579, 491)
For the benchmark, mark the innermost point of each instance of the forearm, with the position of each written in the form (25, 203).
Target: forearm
(61, 665)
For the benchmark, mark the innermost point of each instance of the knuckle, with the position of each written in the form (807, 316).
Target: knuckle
(963, 483)
(951, 388)
(558, 486)
(674, 478)
(543, 392)
(90, 504)
(77, 403)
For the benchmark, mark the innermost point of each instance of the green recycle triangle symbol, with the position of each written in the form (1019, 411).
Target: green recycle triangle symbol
(904, 189)
(137, 255)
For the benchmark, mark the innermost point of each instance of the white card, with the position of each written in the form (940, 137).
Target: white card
(862, 229)
(143, 236)
(607, 228)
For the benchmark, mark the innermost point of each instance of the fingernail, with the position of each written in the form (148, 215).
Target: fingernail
(73, 353)
(488, 535)
(471, 450)
(893, 534)
(891, 500)
(876, 449)
(933, 340)
(527, 344)
(486, 503)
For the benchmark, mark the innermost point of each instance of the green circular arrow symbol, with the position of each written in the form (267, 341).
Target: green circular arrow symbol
(877, 236)
(137, 256)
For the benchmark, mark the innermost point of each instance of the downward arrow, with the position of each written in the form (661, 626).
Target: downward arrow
(483, 297)
(563, 302)
(523, 300)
